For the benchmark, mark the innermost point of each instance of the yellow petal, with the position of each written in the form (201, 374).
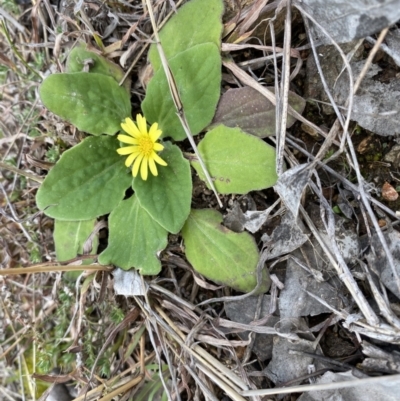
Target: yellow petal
(136, 165)
(126, 150)
(129, 160)
(154, 132)
(158, 159)
(127, 139)
(153, 167)
(130, 128)
(144, 168)
(158, 147)
(154, 127)
(141, 123)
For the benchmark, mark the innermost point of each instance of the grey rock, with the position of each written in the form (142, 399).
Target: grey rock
(393, 157)
(379, 262)
(243, 311)
(59, 392)
(288, 361)
(294, 301)
(348, 20)
(366, 392)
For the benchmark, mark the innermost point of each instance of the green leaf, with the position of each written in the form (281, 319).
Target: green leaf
(80, 58)
(197, 73)
(86, 284)
(88, 181)
(197, 22)
(167, 197)
(134, 239)
(221, 255)
(69, 238)
(252, 112)
(94, 103)
(238, 162)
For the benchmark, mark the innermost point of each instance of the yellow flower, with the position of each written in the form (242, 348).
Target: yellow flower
(142, 152)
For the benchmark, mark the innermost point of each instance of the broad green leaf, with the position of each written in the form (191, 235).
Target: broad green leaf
(197, 22)
(252, 112)
(93, 102)
(238, 162)
(167, 197)
(134, 239)
(69, 238)
(88, 181)
(221, 255)
(80, 58)
(197, 73)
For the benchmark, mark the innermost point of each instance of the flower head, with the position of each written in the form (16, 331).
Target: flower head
(143, 146)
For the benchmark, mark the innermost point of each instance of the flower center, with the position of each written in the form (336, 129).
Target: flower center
(146, 146)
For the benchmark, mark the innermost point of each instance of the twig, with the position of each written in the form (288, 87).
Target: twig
(216, 370)
(284, 92)
(360, 178)
(146, 45)
(395, 56)
(177, 100)
(248, 80)
(346, 136)
(15, 170)
(384, 309)
(326, 386)
(44, 268)
(341, 268)
(12, 20)
(14, 215)
(14, 49)
(345, 181)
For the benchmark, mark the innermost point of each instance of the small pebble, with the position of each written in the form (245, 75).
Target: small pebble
(389, 193)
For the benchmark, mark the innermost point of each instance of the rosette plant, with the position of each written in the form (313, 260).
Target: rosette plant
(137, 174)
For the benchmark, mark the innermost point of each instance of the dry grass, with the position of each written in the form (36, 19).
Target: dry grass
(168, 341)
